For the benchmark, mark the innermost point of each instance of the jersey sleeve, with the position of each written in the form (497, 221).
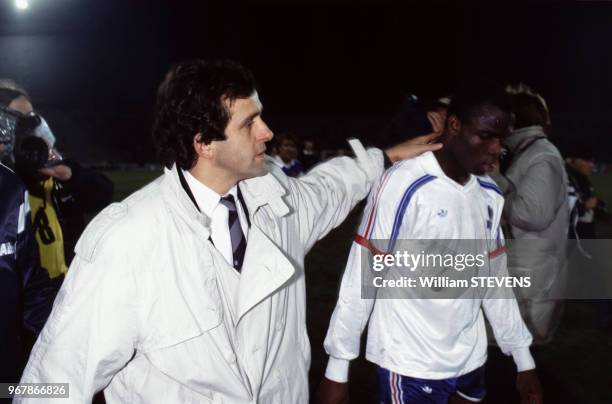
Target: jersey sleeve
(501, 308)
(352, 311)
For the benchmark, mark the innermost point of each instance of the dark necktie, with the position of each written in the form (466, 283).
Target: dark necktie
(236, 235)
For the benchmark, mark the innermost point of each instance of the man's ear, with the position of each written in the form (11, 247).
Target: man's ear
(454, 126)
(202, 149)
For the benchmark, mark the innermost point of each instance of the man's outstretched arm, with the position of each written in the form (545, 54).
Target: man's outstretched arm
(326, 195)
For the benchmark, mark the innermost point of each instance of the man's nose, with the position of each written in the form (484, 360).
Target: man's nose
(495, 147)
(266, 134)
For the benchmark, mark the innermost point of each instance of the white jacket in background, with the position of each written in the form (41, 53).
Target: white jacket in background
(537, 210)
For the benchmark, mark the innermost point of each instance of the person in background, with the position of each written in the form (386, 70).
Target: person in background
(26, 294)
(587, 209)
(309, 156)
(61, 191)
(579, 166)
(415, 115)
(535, 188)
(287, 153)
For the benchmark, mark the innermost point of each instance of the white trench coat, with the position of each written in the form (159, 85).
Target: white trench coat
(144, 313)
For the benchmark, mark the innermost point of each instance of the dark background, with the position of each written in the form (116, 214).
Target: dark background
(327, 70)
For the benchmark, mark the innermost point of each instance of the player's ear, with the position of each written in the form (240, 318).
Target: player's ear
(453, 125)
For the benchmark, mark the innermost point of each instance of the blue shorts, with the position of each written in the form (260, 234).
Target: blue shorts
(396, 389)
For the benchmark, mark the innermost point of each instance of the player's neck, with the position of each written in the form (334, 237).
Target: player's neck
(451, 166)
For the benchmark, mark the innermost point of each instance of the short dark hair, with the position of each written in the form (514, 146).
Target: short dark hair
(192, 99)
(469, 98)
(529, 110)
(287, 136)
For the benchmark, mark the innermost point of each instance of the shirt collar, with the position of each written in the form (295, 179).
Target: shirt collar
(258, 191)
(431, 166)
(206, 198)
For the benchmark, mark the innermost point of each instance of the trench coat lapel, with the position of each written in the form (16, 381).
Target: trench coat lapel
(265, 269)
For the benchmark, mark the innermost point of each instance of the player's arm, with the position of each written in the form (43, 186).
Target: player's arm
(343, 337)
(352, 311)
(510, 331)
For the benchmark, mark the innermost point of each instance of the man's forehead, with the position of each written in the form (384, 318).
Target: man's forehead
(247, 105)
(491, 117)
(255, 98)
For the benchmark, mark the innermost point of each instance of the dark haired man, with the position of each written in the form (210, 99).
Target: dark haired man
(432, 350)
(192, 289)
(287, 153)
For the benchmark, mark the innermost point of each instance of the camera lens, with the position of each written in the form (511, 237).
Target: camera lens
(32, 153)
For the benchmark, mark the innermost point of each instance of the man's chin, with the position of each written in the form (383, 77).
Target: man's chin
(258, 173)
(484, 169)
(263, 171)
(479, 171)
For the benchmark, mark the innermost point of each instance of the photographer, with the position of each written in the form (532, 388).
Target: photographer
(61, 191)
(579, 166)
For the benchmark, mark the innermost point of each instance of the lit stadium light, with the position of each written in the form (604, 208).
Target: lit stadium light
(22, 4)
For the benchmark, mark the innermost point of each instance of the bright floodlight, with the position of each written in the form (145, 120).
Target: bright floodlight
(21, 4)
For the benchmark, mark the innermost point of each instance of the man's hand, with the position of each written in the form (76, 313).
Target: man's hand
(330, 392)
(437, 120)
(61, 172)
(413, 147)
(529, 387)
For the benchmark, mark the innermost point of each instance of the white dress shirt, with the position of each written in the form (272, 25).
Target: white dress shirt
(209, 203)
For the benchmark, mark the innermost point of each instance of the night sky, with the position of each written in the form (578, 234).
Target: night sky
(324, 68)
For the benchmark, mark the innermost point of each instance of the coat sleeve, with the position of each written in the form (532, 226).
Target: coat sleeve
(92, 331)
(503, 313)
(38, 292)
(532, 203)
(326, 195)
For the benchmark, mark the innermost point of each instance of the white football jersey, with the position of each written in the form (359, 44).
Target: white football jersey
(425, 338)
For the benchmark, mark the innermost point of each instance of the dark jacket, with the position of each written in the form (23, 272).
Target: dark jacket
(26, 294)
(87, 191)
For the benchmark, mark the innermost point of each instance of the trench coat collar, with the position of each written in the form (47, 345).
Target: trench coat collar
(257, 192)
(265, 266)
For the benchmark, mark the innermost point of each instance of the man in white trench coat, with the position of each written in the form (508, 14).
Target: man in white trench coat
(163, 302)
